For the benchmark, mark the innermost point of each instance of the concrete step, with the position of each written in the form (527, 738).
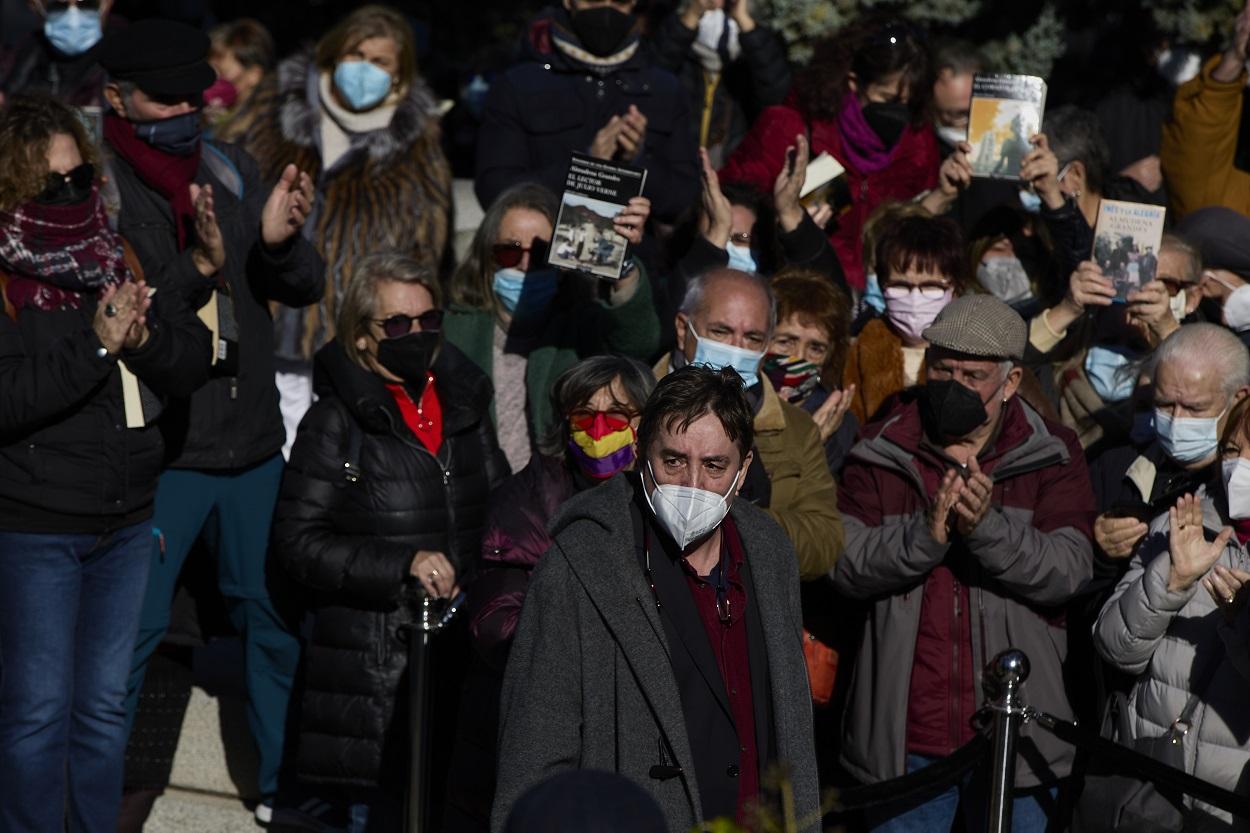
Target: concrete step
(183, 811)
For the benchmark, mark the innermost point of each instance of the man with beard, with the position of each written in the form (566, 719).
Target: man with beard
(967, 519)
(587, 84)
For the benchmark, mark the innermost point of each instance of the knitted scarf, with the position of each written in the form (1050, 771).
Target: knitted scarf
(54, 254)
(166, 173)
(565, 40)
(864, 149)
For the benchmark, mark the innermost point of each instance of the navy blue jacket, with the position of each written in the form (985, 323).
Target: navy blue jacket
(547, 106)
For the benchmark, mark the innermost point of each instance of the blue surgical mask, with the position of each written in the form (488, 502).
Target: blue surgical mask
(740, 258)
(873, 297)
(73, 31)
(716, 355)
(1187, 439)
(361, 83)
(529, 292)
(1110, 373)
(1030, 202)
(178, 135)
(1143, 430)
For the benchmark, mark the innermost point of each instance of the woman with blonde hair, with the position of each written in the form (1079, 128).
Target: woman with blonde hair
(357, 116)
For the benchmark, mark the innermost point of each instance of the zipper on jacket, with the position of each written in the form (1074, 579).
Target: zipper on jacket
(446, 472)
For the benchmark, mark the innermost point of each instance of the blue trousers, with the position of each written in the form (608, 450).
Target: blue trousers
(69, 607)
(938, 814)
(242, 502)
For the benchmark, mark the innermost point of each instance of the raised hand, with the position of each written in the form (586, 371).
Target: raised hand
(1233, 64)
(1118, 536)
(287, 208)
(209, 251)
(1192, 555)
(832, 411)
(1227, 588)
(789, 183)
(944, 501)
(974, 500)
(955, 175)
(1040, 168)
(633, 219)
(716, 221)
(1150, 311)
(632, 134)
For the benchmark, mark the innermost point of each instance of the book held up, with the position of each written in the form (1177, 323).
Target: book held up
(1006, 112)
(595, 192)
(1126, 244)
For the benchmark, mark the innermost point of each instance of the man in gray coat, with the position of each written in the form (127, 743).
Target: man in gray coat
(661, 635)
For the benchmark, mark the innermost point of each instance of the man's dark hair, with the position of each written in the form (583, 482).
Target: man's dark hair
(685, 395)
(1076, 135)
(929, 244)
(961, 57)
(575, 386)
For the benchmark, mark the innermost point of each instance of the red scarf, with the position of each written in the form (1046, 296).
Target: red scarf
(169, 175)
(54, 254)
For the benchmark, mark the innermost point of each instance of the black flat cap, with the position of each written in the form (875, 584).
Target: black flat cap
(160, 57)
(1222, 235)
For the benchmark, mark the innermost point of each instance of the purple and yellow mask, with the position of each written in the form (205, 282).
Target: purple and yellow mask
(602, 444)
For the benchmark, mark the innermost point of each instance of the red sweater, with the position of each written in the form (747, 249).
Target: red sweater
(914, 168)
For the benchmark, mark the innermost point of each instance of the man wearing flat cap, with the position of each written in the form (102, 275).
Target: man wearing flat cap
(204, 225)
(968, 519)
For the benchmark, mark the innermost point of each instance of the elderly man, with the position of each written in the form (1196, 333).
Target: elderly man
(726, 319)
(203, 225)
(967, 521)
(660, 638)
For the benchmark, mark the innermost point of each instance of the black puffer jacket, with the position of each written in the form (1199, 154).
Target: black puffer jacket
(349, 544)
(68, 463)
(233, 421)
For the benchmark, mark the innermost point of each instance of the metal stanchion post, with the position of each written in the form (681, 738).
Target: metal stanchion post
(418, 714)
(1003, 677)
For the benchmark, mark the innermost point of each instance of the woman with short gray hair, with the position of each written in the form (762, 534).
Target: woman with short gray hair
(384, 501)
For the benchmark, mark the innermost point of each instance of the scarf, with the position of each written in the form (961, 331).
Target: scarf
(167, 174)
(865, 152)
(339, 125)
(54, 254)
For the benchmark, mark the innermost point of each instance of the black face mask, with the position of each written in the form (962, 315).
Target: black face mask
(69, 188)
(410, 357)
(602, 29)
(950, 410)
(177, 135)
(888, 120)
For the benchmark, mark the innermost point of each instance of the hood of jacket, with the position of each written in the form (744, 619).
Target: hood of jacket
(300, 111)
(464, 391)
(1024, 444)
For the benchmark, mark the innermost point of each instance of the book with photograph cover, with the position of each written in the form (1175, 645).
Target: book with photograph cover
(1126, 243)
(595, 191)
(1006, 111)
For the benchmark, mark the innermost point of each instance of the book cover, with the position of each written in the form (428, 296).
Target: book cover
(1006, 111)
(595, 191)
(1126, 243)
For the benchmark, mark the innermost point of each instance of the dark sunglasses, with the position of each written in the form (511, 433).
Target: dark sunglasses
(79, 178)
(399, 325)
(508, 255)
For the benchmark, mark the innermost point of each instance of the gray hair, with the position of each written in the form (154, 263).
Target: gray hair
(1075, 135)
(575, 386)
(696, 286)
(1192, 257)
(359, 301)
(1207, 344)
(961, 57)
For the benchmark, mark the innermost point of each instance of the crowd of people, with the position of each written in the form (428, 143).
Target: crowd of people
(741, 526)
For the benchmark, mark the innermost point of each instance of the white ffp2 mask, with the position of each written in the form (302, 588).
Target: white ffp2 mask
(687, 513)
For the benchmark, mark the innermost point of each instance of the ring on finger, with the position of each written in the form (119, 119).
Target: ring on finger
(110, 310)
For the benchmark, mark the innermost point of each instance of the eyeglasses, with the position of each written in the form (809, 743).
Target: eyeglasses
(930, 291)
(508, 255)
(398, 325)
(583, 418)
(742, 238)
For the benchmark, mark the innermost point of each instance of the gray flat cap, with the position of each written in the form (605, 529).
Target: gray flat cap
(979, 325)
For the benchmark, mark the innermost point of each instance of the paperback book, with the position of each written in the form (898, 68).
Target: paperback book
(1006, 111)
(1126, 243)
(595, 192)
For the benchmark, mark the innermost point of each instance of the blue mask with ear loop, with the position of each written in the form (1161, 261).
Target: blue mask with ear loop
(72, 31)
(361, 83)
(1110, 373)
(741, 258)
(718, 355)
(873, 296)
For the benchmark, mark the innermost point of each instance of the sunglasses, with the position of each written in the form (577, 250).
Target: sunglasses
(79, 178)
(508, 255)
(398, 325)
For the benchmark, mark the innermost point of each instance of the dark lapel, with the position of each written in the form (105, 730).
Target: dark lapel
(681, 620)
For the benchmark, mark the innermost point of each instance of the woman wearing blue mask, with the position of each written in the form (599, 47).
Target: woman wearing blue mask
(523, 322)
(359, 119)
(59, 59)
